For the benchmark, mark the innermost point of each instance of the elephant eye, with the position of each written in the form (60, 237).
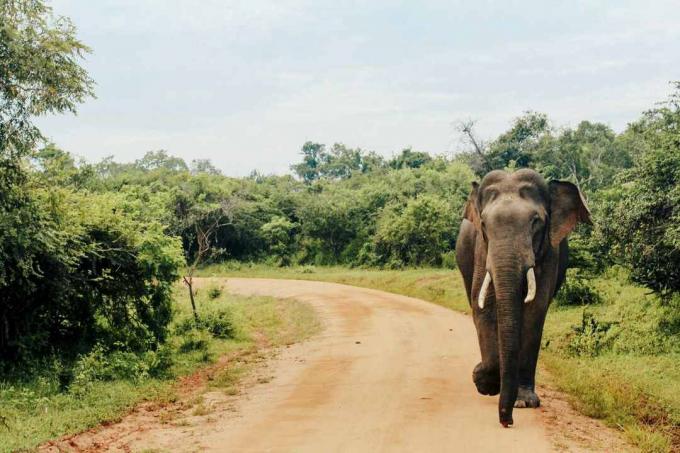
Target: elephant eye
(535, 222)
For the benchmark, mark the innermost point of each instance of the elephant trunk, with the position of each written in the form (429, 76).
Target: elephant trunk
(508, 271)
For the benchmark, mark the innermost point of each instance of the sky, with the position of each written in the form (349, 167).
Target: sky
(246, 83)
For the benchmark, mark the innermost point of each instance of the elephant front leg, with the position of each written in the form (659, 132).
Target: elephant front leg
(486, 374)
(532, 330)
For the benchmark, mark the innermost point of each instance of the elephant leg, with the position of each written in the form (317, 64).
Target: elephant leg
(486, 374)
(532, 331)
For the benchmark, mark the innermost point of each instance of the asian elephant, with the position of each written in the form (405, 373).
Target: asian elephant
(512, 252)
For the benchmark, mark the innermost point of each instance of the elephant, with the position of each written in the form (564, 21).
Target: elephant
(512, 252)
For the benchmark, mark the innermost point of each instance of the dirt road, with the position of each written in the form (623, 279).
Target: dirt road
(388, 373)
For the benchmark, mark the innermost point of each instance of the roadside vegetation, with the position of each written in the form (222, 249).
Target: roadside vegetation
(90, 252)
(57, 398)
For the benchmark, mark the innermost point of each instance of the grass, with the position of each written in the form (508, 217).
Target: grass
(40, 408)
(441, 286)
(631, 382)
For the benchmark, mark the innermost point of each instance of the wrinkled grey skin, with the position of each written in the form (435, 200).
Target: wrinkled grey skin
(514, 221)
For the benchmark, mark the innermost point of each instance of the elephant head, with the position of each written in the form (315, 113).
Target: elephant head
(521, 221)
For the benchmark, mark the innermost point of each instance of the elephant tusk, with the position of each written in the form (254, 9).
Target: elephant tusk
(483, 291)
(531, 286)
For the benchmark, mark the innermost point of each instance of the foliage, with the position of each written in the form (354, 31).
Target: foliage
(416, 234)
(517, 146)
(278, 233)
(339, 162)
(39, 74)
(55, 398)
(644, 213)
(100, 271)
(214, 292)
(589, 338)
(410, 159)
(577, 290)
(591, 155)
(217, 323)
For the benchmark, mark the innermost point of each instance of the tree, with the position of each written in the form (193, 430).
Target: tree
(340, 162)
(516, 147)
(588, 155)
(308, 170)
(477, 158)
(204, 166)
(39, 74)
(642, 213)
(416, 235)
(278, 233)
(161, 160)
(410, 159)
(205, 220)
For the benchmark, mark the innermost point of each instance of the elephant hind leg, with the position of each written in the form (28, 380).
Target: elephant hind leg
(487, 380)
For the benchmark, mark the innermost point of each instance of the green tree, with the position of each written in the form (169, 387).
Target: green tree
(39, 74)
(279, 235)
(416, 235)
(516, 147)
(157, 160)
(308, 169)
(340, 162)
(589, 155)
(204, 166)
(410, 159)
(642, 216)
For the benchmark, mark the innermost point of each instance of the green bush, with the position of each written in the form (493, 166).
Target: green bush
(194, 340)
(214, 292)
(95, 269)
(218, 323)
(577, 291)
(101, 364)
(590, 338)
(415, 234)
(449, 259)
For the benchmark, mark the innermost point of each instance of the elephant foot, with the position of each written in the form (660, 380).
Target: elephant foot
(487, 382)
(526, 397)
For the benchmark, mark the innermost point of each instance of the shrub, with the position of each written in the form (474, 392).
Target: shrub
(590, 338)
(416, 234)
(278, 233)
(214, 292)
(449, 259)
(577, 291)
(101, 364)
(194, 340)
(94, 270)
(217, 322)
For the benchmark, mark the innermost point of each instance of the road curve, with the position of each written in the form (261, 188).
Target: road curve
(388, 373)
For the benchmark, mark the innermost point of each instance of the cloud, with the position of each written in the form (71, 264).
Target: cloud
(246, 83)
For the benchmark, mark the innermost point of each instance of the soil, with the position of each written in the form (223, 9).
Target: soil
(387, 373)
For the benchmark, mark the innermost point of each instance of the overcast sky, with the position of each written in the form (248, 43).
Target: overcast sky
(246, 83)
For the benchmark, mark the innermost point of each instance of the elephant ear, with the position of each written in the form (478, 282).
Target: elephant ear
(567, 208)
(471, 212)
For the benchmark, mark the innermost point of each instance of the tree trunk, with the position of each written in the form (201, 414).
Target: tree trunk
(189, 281)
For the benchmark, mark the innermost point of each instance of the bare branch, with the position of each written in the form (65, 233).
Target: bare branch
(467, 129)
